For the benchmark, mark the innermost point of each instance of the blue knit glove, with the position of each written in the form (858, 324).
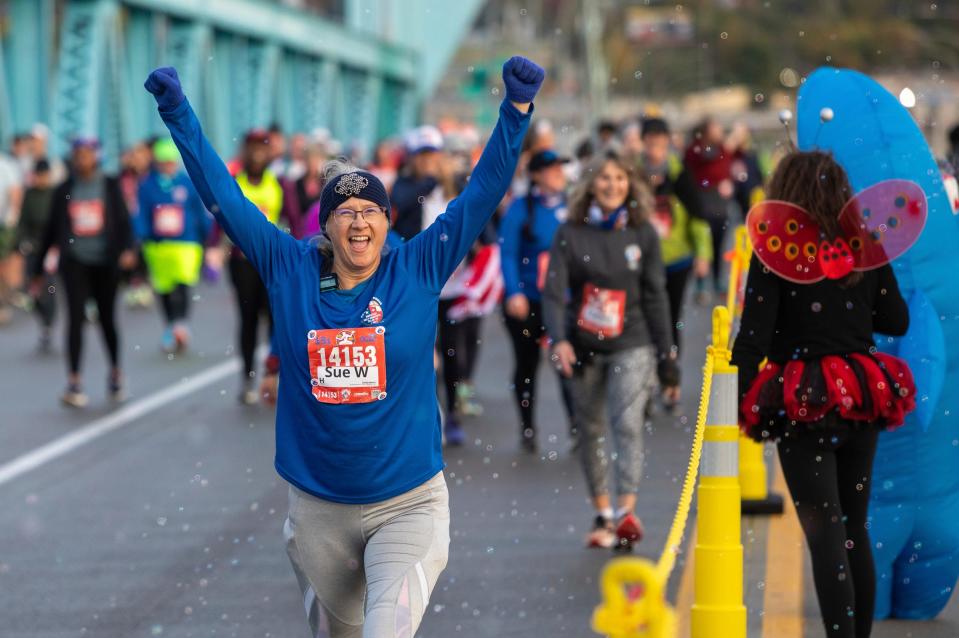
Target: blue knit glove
(164, 84)
(522, 78)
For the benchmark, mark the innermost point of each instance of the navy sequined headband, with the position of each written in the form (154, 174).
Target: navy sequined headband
(359, 184)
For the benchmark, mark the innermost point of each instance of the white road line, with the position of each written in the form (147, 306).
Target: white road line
(77, 438)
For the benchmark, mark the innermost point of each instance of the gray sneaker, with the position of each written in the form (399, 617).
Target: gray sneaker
(74, 397)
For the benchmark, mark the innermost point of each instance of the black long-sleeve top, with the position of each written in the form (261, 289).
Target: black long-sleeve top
(627, 260)
(406, 200)
(784, 320)
(685, 189)
(58, 232)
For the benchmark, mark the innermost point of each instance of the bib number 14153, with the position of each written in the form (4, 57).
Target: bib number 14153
(348, 365)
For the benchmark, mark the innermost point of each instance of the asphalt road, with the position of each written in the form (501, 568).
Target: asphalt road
(169, 523)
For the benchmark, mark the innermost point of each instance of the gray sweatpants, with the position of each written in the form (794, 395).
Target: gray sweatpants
(368, 570)
(617, 385)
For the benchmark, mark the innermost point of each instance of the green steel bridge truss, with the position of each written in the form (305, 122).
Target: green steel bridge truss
(79, 66)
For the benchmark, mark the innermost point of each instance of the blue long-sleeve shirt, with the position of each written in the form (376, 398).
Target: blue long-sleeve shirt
(359, 452)
(520, 254)
(171, 210)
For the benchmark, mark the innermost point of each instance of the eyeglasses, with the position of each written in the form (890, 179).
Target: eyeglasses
(348, 215)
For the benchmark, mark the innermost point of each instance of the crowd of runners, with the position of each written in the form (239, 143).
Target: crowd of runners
(342, 264)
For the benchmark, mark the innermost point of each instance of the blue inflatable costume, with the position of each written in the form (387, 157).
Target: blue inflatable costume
(914, 508)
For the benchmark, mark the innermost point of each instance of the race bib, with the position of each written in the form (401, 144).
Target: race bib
(348, 365)
(168, 220)
(662, 217)
(542, 268)
(86, 217)
(602, 311)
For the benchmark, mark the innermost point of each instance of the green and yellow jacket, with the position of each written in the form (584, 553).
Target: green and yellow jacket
(678, 218)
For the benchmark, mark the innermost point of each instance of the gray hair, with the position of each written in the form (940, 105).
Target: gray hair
(336, 167)
(333, 169)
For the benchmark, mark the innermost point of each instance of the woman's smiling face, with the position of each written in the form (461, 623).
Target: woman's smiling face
(610, 187)
(357, 243)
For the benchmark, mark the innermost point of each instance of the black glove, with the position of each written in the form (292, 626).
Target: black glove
(668, 372)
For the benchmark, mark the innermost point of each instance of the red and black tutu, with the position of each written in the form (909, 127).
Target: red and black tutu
(855, 390)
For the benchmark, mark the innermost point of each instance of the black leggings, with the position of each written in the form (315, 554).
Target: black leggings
(717, 227)
(45, 303)
(459, 350)
(525, 336)
(253, 300)
(676, 289)
(829, 479)
(82, 282)
(176, 304)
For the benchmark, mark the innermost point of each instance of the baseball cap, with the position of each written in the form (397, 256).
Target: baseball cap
(86, 141)
(424, 138)
(545, 159)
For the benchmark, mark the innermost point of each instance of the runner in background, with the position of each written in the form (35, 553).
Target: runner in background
(612, 335)
(747, 172)
(259, 185)
(172, 226)
(296, 167)
(418, 178)
(89, 225)
(386, 161)
(525, 236)
(541, 137)
(606, 136)
(457, 337)
(709, 159)
(277, 161)
(303, 194)
(135, 163)
(678, 217)
(33, 222)
(40, 137)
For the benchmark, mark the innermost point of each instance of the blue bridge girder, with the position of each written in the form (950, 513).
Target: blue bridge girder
(79, 66)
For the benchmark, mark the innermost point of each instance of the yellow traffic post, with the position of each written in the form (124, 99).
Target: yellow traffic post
(633, 589)
(645, 613)
(753, 479)
(718, 610)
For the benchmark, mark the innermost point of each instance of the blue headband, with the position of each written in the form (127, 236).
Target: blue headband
(346, 185)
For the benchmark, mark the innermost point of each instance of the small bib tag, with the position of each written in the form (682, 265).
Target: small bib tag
(329, 282)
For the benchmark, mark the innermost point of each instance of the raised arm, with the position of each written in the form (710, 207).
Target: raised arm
(271, 251)
(433, 254)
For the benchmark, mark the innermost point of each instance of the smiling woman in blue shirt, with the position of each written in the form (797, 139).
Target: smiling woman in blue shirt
(357, 425)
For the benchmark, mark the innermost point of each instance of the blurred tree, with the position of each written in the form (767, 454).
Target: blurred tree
(751, 41)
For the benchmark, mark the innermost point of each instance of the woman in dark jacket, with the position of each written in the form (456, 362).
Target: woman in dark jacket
(89, 226)
(610, 333)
